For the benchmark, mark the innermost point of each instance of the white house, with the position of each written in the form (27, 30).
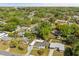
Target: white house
(59, 46)
(39, 43)
(60, 21)
(3, 36)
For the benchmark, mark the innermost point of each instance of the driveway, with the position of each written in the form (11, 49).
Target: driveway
(51, 52)
(29, 48)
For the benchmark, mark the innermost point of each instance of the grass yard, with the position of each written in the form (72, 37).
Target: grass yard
(57, 53)
(40, 52)
(17, 51)
(4, 45)
(54, 39)
(20, 49)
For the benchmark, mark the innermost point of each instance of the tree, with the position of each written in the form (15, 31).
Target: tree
(67, 29)
(15, 20)
(40, 52)
(74, 27)
(68, 52)
(30, 35)
(76, 51)
(22, 46)
(13, 43)
(44, 30)
(10, 26)
(77, 33)
(70, 39)
(11, 34)
(76, 48)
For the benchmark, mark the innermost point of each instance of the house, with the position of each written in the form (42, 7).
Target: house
(4, 36)
(75, 16)
(1, 22)
(77, 21)
(56, 32)
(61, 21)
(57, 46)
(21, 34)
(31, 14)
(24, 28)
(39, 43)
(36, 40)
(19, 28)
(70, 22)
(26, 40)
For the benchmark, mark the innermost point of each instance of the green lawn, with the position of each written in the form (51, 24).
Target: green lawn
(17, 51)
(4, 45)
(42, 52)
(58, 53)
(54, 39)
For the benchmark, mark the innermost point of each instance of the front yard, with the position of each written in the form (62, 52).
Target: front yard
(4, 45)
(17, 51)
(20, 49)
(40, 52)
(58, 53)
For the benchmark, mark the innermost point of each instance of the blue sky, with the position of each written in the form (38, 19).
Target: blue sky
(24, 4)
(35, 4)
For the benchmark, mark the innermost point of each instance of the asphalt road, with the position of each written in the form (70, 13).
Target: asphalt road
(4, 53)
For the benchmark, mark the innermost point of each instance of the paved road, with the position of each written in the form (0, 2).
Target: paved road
(4, 53)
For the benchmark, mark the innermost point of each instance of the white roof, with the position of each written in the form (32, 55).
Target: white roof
(33, 42)
(36, 40)
(57, 45)
(4, 36)
(39, 40)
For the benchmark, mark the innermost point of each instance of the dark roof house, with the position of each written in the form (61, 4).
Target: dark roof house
(77, 21)
(41, 44)
(56, 32)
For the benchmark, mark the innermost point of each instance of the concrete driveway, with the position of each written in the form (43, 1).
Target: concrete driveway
(29, 48)
(51, 52)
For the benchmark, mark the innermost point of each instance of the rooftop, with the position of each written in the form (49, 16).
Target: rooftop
(57, 45)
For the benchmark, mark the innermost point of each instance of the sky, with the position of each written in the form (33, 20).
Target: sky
(37, 4)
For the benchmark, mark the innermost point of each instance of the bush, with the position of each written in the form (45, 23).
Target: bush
(68, 52)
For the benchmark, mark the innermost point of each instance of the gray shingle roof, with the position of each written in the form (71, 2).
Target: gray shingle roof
(57, 45)
(39, 44)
